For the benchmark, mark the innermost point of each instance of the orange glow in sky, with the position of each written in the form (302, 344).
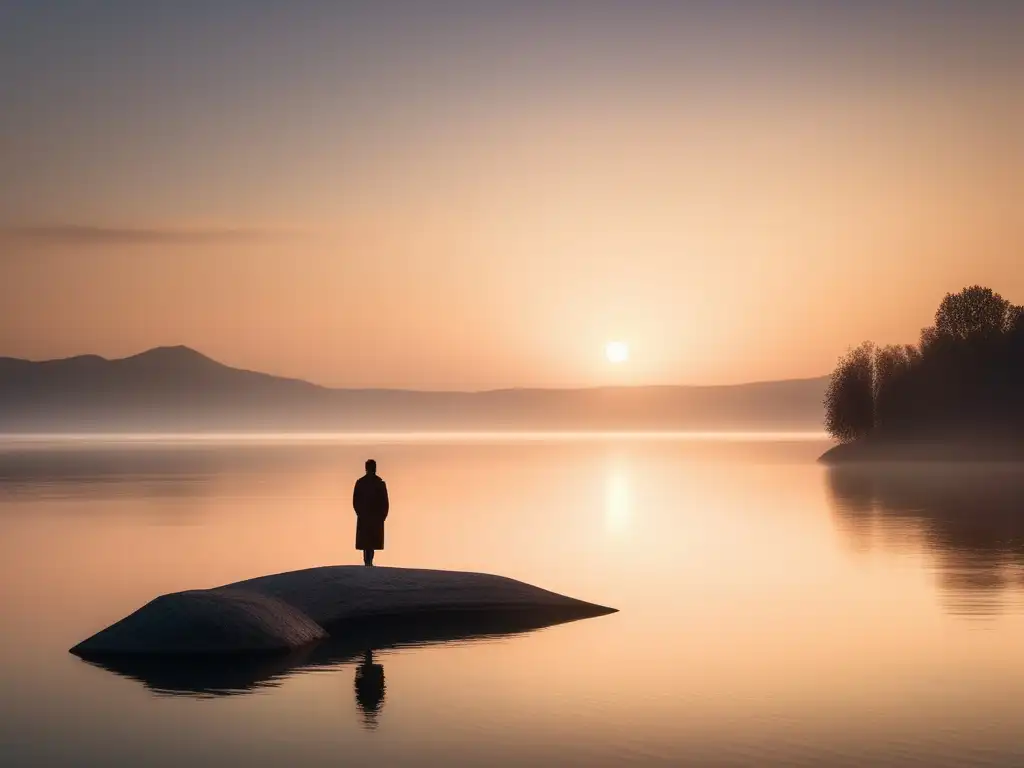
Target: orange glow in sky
(472, 198)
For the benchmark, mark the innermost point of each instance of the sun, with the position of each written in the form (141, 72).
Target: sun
(616, 351)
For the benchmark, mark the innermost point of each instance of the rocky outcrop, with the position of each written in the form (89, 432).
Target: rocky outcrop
(290, 610)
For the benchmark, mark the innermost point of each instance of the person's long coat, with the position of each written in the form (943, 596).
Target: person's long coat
(370, 501)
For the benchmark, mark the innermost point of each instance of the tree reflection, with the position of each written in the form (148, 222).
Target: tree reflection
(969, 517)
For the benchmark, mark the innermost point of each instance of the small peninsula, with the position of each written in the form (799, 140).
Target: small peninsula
(958, 395)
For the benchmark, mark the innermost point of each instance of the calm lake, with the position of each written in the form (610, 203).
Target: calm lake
(773, 612)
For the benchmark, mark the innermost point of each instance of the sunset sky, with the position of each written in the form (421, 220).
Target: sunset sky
(481, 194)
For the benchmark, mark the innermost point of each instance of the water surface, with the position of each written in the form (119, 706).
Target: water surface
(772, 611)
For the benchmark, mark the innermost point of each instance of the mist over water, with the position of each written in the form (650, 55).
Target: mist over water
(772, 611)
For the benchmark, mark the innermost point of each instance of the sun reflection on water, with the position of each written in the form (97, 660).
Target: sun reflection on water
(617, 503)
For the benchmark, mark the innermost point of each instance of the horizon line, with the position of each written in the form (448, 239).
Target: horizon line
(411, 436)
(413, 390)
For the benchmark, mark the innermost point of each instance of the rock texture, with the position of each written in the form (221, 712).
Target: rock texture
(206, 621)
(290, 610)
(335, 594)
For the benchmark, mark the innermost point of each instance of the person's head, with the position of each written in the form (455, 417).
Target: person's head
(371, 467)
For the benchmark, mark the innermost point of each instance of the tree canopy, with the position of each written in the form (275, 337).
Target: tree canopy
(966, 375)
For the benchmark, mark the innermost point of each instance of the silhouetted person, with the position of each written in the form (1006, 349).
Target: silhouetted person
(369, 685)
(370, 501)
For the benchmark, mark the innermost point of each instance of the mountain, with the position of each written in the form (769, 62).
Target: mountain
(176, 389)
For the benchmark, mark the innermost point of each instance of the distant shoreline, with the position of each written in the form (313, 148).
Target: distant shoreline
(173, 390)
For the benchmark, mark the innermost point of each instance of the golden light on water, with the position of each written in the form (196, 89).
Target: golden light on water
(617, 507)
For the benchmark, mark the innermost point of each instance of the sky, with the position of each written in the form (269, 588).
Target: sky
(472, 195)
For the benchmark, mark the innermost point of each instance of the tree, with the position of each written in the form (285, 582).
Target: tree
(972, 313)
(1016, 321)
(965, 377)
(849, 399)
(891, 366)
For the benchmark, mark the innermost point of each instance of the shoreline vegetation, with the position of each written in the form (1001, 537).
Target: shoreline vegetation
(958, 395)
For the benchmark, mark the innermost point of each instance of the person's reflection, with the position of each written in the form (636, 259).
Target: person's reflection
(369, 687)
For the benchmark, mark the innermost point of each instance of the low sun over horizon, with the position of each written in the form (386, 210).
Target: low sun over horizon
(459, 196)
(512, 383)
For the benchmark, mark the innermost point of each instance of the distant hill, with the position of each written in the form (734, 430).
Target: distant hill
(176, 389)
